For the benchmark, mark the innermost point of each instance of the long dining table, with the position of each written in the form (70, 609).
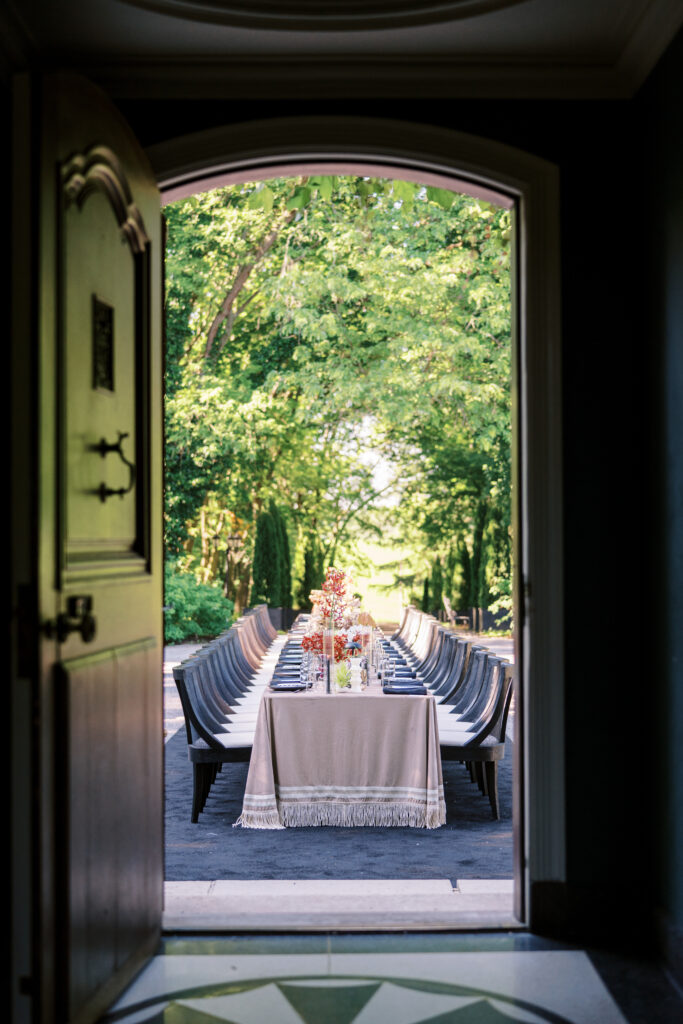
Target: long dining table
(344, 759)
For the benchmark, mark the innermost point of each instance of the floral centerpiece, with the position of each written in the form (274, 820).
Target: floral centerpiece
(313, 644)
(333, 598)
(333, 608)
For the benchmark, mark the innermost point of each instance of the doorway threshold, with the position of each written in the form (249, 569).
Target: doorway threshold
(339, 905)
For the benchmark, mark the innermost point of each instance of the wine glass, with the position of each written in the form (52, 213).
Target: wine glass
(315, 672)
(388, 671)
(304, 668)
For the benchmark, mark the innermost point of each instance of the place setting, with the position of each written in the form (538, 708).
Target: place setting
(339, 649)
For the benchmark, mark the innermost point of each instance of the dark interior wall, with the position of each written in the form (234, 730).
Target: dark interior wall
(610, 849)
(662, 103)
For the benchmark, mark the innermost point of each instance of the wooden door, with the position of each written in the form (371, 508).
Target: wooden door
(95, 395)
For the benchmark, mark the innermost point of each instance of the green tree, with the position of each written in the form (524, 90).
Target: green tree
(285, 568)
(319, 327)
(436, 588)
(267, 584)
(312, 573)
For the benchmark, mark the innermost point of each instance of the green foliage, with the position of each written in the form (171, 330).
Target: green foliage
(197, 610)
(340, 346)
(272, 567)
(312, 573)
(436, 588)
(267, 578)
(285, 597)
(425, 595)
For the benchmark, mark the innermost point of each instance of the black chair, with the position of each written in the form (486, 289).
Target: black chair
(210, 744)
(485, 746)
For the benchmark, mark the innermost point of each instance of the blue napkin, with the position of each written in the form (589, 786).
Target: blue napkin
(405, 689)
(287, 686)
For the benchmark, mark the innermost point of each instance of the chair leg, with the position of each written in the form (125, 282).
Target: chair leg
(492, 784)
(479, 776)
(203, 776)
(197, 791)
(209, 776)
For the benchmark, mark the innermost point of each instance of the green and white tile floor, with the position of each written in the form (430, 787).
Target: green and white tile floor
(399, 979)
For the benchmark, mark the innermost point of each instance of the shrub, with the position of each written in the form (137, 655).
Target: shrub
(196, 609)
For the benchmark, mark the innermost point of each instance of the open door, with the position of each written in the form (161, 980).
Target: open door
(87, 255)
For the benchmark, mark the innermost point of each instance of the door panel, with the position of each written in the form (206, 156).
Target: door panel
(104, 298)
(110, 898)
(99, 729)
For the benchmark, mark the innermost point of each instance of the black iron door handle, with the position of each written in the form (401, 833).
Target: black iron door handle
(78, 618)
(104, 447)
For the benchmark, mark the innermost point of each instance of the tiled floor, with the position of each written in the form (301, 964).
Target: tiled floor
(402, 979)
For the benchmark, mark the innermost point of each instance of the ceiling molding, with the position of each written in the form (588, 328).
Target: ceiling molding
(331, 16)
(653, 33)
(611, 64)
(354, 77)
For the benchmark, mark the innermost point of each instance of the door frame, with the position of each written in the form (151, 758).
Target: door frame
(253, 150)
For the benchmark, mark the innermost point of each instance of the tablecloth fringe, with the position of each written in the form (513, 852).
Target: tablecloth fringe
(259, 819)
(383, 814)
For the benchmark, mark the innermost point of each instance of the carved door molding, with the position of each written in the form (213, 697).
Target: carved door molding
(103, 511)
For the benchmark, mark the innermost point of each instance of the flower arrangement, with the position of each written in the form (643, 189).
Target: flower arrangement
(332, 603)
(333, 608)
(313, 643)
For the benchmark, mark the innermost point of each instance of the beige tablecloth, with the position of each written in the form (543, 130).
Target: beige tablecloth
(346, 759)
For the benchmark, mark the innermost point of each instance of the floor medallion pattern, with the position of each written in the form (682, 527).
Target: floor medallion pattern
(426, 988)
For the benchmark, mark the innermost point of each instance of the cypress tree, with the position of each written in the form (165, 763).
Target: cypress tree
(285, 598)
(466, 596)
(425, 595)
(309, 580)
(449, 574)
(436, 588)
(266, 585)
(286, 568)
(313, 574)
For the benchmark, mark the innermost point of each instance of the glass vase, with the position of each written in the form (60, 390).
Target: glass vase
(328, 642)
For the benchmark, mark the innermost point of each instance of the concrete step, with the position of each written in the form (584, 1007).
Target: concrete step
(329, 904)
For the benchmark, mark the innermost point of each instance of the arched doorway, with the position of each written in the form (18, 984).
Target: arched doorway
(464, 163)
